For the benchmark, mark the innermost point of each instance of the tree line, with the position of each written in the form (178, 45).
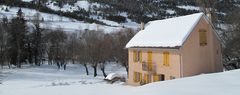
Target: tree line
(22, 44)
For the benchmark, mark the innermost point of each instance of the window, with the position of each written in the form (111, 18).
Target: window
(137, 56)
(137, 77)
(172, 77)
(159, 77)
(166, 58)
(203, 37)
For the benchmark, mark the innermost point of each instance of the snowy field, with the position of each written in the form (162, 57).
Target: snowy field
(47, 80)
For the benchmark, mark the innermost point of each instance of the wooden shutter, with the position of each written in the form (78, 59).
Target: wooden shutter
(166, 58)
(150, 67)
(145, 78)
(140, 56)
(156, 78)
(203, 37)
(134, 55)
(135, 76)
(140, 77)
(149, 56)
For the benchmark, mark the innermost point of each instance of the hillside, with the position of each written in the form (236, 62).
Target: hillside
(117, 13)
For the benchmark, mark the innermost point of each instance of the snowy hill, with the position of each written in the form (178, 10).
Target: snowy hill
(112, 15)
(52, 21)
(47, 80)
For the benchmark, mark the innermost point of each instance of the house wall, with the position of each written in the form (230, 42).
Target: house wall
(157, 58)
(198, 59)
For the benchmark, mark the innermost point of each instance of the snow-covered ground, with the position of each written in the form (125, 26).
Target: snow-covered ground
(47, 80)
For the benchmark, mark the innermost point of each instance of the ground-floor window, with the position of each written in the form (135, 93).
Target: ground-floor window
(158, 77)
(137, 77)
(172, 77)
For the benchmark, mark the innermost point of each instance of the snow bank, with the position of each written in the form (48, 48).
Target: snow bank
(47, 80)
(112, 76)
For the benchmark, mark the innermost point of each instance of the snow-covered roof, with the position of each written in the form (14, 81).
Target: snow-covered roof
(170, 32)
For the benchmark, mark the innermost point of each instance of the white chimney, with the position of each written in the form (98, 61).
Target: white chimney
(209, 14)
(142, 26)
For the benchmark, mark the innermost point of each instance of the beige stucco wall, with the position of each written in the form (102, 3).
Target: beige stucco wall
(198, 59)
(157, 58)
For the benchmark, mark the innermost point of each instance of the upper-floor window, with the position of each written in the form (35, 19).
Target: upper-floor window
(137, 56)
(203, 37)
(166, 58)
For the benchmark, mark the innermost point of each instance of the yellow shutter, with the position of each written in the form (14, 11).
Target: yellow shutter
(149, 79)
(203, 37)
(140, 77)
(135, 76)
(149, 56)
(140, 56)
(155, 78)
(134, 55)
(145, 78)
(166, 58)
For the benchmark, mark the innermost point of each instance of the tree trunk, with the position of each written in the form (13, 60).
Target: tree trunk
(95, 70)
(103, 71)
(58, 65)
(126, 67)
(65, 66)
(86, 68)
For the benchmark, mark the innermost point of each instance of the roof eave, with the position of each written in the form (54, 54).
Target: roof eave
(160, 47)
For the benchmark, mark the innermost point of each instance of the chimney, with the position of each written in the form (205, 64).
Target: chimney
(209, 14)
(142, 26)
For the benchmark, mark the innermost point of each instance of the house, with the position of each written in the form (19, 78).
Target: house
(174, 48)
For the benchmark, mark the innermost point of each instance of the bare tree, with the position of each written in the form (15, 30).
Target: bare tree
(209, 8)
(92, 39)
(82, 54)
(106, 47)
(121, 39)
(57, 47)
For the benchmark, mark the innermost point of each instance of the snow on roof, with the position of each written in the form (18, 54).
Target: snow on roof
(165, 33)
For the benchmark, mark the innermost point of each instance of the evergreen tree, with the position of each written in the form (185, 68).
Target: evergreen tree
(17, 40)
